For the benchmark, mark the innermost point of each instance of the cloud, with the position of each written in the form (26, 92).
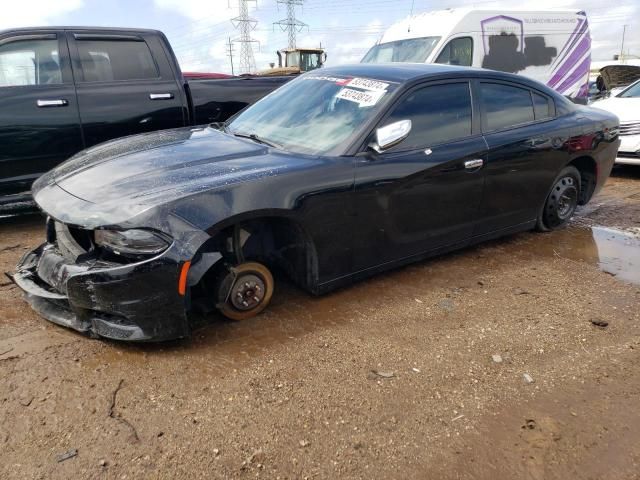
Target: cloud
(350, 47)
(202, 44)
(606, 31)
(31, 13)
(211, 11)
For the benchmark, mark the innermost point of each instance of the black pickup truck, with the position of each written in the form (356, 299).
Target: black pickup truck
(63, 89)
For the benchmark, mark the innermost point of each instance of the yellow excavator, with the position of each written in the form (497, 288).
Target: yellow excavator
(296, 60)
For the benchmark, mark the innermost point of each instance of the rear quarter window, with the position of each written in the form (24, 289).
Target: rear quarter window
(542, 106)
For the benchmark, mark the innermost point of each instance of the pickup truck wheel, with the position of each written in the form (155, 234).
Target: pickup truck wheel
(245, 290)
(562, 200)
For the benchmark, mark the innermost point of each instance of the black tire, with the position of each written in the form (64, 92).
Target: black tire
(561, 202)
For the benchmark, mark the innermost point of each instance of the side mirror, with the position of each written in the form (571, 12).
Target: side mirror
(390, 135)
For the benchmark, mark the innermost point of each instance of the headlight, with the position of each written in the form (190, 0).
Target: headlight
(131, 242)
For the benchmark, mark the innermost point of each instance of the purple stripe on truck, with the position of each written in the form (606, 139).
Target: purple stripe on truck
(580, 72)
(573, 38)
(582, 48)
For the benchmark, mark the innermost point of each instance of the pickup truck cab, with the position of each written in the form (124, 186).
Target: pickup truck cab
(64, 89)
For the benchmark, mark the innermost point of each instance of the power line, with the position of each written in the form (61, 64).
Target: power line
(245, 24)
(291, 24)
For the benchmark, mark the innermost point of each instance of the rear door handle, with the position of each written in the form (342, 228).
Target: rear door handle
(473, 164)
(160, 96)
(52, 103)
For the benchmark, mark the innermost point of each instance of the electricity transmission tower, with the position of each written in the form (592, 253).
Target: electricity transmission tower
(245, 24)
(291, 23)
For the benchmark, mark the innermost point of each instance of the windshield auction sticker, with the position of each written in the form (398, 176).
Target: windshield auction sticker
(364, 99)
(366, 84)
(336, 80)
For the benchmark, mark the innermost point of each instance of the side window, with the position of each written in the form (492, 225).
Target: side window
(438, 114)
(30, 62)
(110, 60)
(458, 51)
(541, 106)
(505, 106)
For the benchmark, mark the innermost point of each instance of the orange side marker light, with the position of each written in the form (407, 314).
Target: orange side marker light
(182, 282)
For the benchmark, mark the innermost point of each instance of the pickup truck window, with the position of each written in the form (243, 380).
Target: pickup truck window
(107, 61)
(30, 62)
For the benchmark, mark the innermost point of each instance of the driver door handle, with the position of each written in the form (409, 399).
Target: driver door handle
(160, 96)
(473, 164)
(52, 103)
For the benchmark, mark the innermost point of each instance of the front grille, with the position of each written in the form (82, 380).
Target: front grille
(630, 128)
(628, 154)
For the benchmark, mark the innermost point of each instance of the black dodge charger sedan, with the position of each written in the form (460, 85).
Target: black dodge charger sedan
(341, 173)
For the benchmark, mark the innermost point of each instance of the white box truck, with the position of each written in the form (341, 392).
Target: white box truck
(551, 46)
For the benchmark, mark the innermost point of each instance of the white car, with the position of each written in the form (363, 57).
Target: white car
(626, 105)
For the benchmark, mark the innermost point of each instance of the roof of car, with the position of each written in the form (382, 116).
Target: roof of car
(405, 72)
(411, 72)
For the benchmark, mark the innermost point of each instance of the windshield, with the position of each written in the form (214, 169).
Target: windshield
(410, 50)
(293, 59)
(313, 113)
(632, 91)
(310, 61)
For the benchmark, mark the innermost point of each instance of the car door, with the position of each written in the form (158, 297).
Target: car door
(124, 89)
(39, 124)
(424, 193)
(525, 153)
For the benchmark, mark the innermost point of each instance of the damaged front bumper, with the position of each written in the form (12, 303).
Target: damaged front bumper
(135, 302)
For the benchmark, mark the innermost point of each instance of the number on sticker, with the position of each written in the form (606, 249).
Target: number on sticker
(367, 84)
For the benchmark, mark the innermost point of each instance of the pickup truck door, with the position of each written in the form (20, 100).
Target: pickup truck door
(39, 123)
(424, 193)
(125, 85)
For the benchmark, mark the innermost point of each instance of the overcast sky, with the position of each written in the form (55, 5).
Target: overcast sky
(199, 29)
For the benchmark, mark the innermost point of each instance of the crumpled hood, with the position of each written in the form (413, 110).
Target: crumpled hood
(166, 164)
(619, 75)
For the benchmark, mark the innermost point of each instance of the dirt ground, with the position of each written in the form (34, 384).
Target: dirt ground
(483, 364)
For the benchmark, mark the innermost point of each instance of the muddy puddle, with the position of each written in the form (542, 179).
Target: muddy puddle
(613, 251)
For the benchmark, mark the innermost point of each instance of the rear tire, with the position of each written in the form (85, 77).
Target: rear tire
(244, 291)
(561, 202)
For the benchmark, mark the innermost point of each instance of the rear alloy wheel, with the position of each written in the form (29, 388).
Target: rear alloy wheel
(245, 290)
(562, 200)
